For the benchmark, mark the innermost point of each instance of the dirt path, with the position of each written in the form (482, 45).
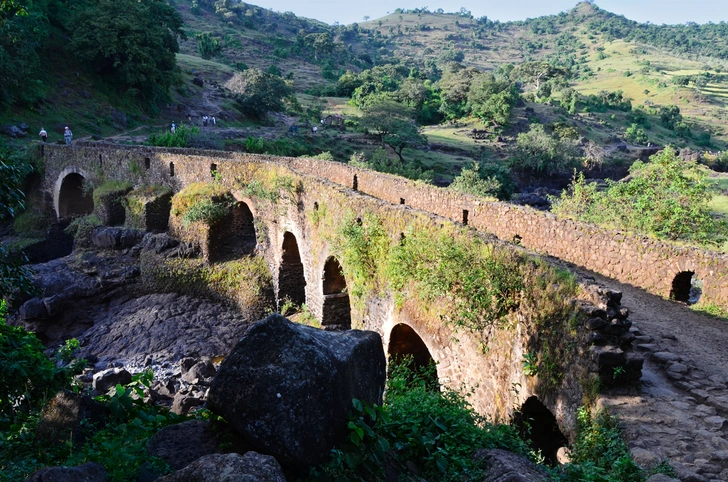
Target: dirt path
(680, 412)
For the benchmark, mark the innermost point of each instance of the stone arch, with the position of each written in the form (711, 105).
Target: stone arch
(537, 424)
(405, 343)
(234, 235)
(291, 278)
(336, 310)
(68, 196)
(685, 288)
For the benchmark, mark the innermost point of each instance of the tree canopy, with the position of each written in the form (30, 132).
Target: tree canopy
(394, 124)
(667, 197)
(259, 92)
(133, 42)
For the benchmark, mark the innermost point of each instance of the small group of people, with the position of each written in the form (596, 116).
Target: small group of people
(67, 135)
(208, 120)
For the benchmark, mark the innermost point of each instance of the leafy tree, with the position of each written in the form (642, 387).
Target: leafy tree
(381, 162)
(132, 42)
(394, 124)
(260, 92)
(14, 277)
(470, 181)
(635, 133)
(207, 45)
(492, 100)
(670, 116)
(541, 153)
(455, 86)
(667, 197)
(23, 36)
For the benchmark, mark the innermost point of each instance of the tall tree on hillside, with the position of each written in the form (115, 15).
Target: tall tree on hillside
(260, 92)
(131, 43)
(393, 123)
(23, 34)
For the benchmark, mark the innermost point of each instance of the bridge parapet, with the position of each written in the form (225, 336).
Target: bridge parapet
(571, 349)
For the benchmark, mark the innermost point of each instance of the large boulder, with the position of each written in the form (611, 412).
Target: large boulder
(88, 472)
(504, 466)
(183, 443)
(70, 416)
(251, 467)
(287, 388)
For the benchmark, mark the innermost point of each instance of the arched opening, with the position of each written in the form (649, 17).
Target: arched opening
(465, 217)
(355, 184)
(213, 170)
(406, 347)
(686, 288)
(147, 163)
(336, 313)
(537, 424)
(72, 200)
(291, 280)
(171, 169)
(234, 235)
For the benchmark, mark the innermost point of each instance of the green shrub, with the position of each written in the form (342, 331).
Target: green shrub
(667, 197)
(381, 162)
(636, 134)
(437, 431)
(470, 181)
(179, 138)
(207, 211)
(541, 153)
(599, 454)
(30, 223)
(27, 375)
(195, 193)
(81, 228)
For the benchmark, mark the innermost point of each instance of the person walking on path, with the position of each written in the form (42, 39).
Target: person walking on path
(174, 127)
(67, 135)
(43, 134)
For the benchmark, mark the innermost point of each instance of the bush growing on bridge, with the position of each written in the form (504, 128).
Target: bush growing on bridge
(202, 201)
(667, 197)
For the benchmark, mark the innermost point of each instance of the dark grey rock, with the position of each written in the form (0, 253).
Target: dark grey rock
(166, 326)
(503, 466)
(179, 445)
(70, 416)
(287, 388)
(184, 402)
(201, 370)
(251, 467)
(88, 472)
(109, 378)
(33, 309)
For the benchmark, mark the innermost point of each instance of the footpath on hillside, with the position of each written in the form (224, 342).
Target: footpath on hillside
(679, 412)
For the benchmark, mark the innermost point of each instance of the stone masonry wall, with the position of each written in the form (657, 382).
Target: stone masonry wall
(599, 338)
(638, 260)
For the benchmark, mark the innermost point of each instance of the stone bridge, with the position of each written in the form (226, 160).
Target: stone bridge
(296, 240)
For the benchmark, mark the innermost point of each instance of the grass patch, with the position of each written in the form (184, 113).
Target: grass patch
(245, 282)
(196, 193)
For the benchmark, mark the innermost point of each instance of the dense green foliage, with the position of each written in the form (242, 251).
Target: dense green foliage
(179, 138)
(27, 374)
(14, 276)
(667, 197)
(130, 43)
(436, 431)
(599, 454)
(475, 180)
(539, 152)
(120, 446)
(394, 125)
(381, 162)
(260, 92)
